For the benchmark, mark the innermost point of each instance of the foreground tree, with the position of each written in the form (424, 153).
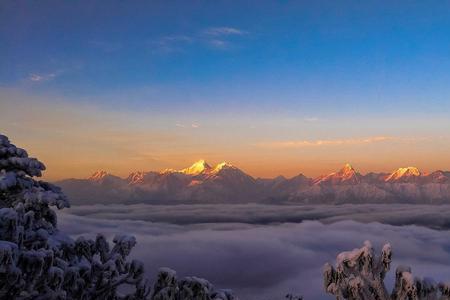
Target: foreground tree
(359, 274)
(37, 261)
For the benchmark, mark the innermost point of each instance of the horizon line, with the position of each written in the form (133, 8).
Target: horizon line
(166, 170)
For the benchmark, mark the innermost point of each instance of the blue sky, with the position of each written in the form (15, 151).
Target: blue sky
(353, 64)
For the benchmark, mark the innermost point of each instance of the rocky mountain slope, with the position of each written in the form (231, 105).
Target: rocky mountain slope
(225, 183)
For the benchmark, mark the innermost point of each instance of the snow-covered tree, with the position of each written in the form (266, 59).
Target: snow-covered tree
(359, 274)
(37, 261)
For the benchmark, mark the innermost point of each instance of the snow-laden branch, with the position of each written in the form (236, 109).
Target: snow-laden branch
(359, 274)
(37, 261)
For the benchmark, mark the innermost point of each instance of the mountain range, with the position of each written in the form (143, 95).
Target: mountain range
(225, 183)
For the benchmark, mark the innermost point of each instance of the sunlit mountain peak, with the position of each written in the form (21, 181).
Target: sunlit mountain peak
(136, 177)
(98, 175)
(221, 166)
(347, 171)
(197, 168)
(348, 167)
(168, 170)
(404, 173)
(345, 175)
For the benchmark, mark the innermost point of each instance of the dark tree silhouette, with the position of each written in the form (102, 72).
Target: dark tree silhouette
(37, 261)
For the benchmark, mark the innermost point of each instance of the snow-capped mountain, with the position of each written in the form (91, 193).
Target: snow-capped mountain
(98, 175)
(136, 177)
(199, 167)
(408, 185)
(439, 177)
(199, 183)
(409, 174)
(225, 183)
(104, 177)
(347, 175)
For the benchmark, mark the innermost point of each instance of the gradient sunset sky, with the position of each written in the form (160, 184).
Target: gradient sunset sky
(274, 87)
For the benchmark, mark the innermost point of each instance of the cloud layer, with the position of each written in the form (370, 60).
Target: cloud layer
(259, 261)
(432, 216)
(218, 31)
(215, 37)
(318, 143)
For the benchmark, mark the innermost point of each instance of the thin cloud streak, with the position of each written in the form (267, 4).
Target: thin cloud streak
(216, 43)
(193, 125)
(218, 31)
(215, 37)
(312, 119)
(323, 143)
(41, 77)
(173, 43)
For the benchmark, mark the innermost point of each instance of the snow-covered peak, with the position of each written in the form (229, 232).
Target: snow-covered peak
(98, 175)
(347, 172)
(136, 177)
(168, 171)
(439, 176)
(197, 168)
(404, 173)
(221, 166)
(347, 168)
(345, 175)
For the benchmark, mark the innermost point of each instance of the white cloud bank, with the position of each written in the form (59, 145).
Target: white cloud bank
(260, 261)
(432, 216)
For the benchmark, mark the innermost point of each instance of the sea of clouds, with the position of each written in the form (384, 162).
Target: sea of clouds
(263, 252)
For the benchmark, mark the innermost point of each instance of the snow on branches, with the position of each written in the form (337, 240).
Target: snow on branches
(359, 274)
(16, 180)
(39, 262)
(167, 287)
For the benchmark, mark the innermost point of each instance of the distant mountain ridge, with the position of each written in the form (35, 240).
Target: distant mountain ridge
(225, 183)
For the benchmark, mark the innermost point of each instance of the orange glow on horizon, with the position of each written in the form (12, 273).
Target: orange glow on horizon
(74, 142)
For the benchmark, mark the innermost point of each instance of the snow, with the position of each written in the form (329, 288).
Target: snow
(136, 177)
(225, 183)
(402, 173)
(197, 168)
(222, 166)
(98, 175)
(37, 261)
(347, 175)
(359, 274)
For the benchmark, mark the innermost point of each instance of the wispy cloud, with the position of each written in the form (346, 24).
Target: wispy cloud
(215, 37)
(221, 31)
(193, 125)
(323, 143)
(177, 39)
(220, 37)
(217, 43)
(311, 119)
(172, 43)
(35, 77)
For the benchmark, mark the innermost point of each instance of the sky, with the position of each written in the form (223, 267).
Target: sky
(273, 87)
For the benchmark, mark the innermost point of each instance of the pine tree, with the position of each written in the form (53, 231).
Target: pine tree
(37, 261)
(359, 275)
